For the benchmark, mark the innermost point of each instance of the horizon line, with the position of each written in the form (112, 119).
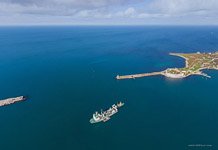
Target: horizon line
(11, 25)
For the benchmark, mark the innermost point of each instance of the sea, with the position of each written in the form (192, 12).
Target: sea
(68, 73)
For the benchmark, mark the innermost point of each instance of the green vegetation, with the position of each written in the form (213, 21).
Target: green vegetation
(195, 62)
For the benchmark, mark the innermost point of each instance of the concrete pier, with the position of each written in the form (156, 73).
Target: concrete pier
(9, 101)
(118, 77)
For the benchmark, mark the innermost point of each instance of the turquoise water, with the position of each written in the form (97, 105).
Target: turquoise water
(68, 73)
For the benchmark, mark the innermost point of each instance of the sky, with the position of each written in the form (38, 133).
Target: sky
(108, 12)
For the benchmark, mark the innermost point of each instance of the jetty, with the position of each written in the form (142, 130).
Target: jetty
(133, 76)
(194, 64)
(9, 101)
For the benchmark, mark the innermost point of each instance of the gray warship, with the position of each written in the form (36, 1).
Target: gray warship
(104, 116)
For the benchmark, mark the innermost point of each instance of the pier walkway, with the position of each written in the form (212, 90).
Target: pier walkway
(9, 101)
(118, 77)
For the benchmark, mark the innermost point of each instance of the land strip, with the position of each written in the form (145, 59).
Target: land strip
(194, 64)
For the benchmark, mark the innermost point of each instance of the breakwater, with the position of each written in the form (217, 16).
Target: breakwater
(138, 75)
(9, 101)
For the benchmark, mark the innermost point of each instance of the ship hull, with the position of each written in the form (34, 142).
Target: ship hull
(92, 121)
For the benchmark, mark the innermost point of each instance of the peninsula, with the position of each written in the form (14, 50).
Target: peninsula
(9, 101)
(195, 63)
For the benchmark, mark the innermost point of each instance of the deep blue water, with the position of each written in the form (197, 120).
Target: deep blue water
(68, 73)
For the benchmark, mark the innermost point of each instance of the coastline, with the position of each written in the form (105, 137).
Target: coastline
(199, 62)
(180, 55)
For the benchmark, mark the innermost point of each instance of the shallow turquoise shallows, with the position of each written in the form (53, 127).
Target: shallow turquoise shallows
(68, 73)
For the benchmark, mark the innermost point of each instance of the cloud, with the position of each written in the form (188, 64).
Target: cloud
(182, 7)
(68, 4)
(128, 11)
(92, 14)
(74, 8)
